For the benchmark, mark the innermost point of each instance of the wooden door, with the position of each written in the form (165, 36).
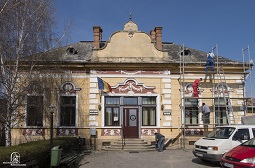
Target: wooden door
(130, 122)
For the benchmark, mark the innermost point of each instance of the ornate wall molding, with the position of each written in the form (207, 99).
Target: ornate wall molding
(222, 88)
(69, 87)
(149, 132)
(34, 132)
(193, 132)
(132, 85)
(111, 132)
(189, 90)
(35, 88)
(67, 131)
(126, 72)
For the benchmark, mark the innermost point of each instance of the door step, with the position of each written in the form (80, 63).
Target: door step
(131, 145)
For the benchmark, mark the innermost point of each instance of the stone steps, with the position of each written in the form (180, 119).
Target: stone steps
(130, 145)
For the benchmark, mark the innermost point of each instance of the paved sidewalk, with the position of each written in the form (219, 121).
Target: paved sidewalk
(170, 158)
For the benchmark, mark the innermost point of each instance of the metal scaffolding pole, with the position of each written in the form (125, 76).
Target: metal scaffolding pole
(183, 95)
(250, 61)
(244, 80)
(250, 68)
(213, 87)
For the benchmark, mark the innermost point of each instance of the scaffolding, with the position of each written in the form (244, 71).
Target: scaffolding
(220, 93)
(250, 65)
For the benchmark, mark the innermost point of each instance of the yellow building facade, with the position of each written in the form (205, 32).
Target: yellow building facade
(151, 91)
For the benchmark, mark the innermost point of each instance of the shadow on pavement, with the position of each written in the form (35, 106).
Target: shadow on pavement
(206, 163)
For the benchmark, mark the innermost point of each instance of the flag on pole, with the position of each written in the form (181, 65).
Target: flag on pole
(102, 85)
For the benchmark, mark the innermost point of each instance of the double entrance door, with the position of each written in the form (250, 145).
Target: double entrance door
(130, 123)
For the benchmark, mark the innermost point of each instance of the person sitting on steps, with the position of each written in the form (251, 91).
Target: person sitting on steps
(160, 141)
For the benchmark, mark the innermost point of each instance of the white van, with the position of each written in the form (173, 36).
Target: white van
(221, 140)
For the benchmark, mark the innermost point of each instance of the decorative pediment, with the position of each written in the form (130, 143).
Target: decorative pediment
(222, 90)
(189, 90)
(35, 88)
(130, 46)
(69, 87)
(132, 85)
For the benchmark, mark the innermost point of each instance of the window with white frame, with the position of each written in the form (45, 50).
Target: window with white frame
(68, 104)
(149, 111)
(34, 109)
(113, 106)
(220, 111)
(67, 110)
(191, 111)
(112, 111)
(221, 103)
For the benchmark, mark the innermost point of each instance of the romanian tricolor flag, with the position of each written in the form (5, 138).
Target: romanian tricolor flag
(102, 85)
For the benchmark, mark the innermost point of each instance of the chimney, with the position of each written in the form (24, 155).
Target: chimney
(158, 31)
(153, 36)
(97, 36)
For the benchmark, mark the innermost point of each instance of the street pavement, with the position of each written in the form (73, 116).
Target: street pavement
(170, 158)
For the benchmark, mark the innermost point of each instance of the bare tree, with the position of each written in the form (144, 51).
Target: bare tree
(26, 32)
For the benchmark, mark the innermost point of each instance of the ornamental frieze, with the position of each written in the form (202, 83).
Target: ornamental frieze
(111, 132)
(149, 132)
(137, 72)
(33, 132)
(67, 132)
(132, 85)
(193, 132)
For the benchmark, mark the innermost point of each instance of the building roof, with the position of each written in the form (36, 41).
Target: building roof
(131, 45)
(191, 55)
(82, 52)
(78, 52)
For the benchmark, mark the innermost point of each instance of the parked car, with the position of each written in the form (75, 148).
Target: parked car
(221, 140)
(240, 156)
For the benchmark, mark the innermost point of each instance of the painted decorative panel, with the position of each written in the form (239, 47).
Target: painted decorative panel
(111, 132)
(34, 132)
(67, 132)
(148, 132)
(132, 85)
(193, 132)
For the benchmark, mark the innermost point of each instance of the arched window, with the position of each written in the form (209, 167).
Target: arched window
(191, 106)
(68, 104)
(34, 115)
(220, 103)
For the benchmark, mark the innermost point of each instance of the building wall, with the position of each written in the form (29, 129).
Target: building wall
(166, 86)
(133, 48)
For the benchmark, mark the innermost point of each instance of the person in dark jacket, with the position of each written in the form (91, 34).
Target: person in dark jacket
(160, 141)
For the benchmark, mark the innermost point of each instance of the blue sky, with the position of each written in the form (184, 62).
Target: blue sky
(198, 24)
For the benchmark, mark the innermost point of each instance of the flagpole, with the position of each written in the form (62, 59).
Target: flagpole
(100, 95)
